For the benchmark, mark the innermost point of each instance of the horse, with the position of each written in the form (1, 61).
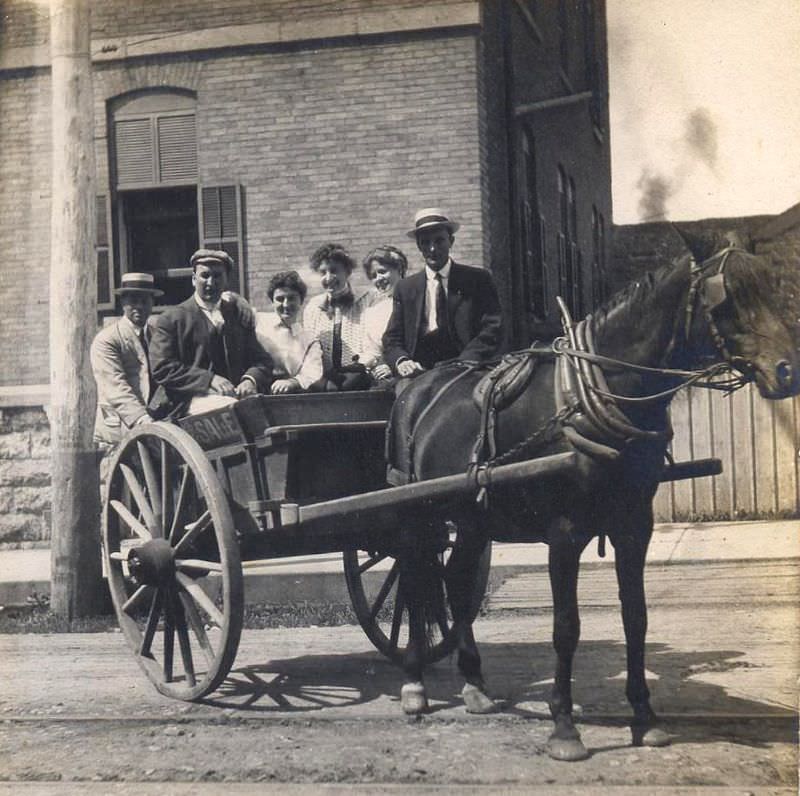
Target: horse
(602, 392)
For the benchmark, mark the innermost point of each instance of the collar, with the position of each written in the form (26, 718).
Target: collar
(343, 300)
(276, 323)
(205, 305)
(127, 322)
(444, 271)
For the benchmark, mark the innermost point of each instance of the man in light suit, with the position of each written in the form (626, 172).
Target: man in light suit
(448, 311)
(204, 352)
(120, 363)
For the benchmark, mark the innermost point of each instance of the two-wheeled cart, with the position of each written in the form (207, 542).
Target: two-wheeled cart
(191, 505)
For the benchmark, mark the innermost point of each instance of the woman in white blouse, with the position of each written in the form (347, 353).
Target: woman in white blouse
(296, 352)
(384, 266)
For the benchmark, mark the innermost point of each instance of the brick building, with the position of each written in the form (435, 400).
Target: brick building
(266, 128)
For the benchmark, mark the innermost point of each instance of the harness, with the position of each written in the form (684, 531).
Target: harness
(588, 415)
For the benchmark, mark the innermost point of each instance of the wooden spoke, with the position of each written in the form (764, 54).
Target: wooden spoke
(130, 520)
(183, 639)
(197, 625)
(370, 562)
(201, 598)
(136, 598)
(384, 591)
(397, 620)
(163, 493)
(151, 478)
(179, 503)
(166, 489)
(193, 530)
(169, 637)
(152, 624)
(138, 495)
(198, 563)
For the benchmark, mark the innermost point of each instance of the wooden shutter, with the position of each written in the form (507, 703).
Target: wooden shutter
(220, 214)
(177, 148)
(103, 254)
(133, 141)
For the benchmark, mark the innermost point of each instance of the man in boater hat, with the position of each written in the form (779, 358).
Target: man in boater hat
(120, 363)
(447, 311)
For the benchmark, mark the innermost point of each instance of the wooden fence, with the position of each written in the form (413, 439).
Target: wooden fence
(758, 443)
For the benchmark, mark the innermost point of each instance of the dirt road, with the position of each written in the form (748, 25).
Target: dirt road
(318, 705)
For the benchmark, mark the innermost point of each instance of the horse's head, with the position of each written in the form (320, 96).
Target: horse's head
(742, 303)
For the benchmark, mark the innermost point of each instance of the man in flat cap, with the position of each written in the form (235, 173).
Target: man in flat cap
(447, 311)
(204, 352)
(120, 363)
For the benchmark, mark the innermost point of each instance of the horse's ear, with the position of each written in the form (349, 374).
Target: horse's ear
(700, 246)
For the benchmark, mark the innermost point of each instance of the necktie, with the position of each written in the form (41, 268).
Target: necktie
(143, 341)
(441, 303)
(336, 346)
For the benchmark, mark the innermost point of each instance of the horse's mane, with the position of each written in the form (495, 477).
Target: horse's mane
(632, 302)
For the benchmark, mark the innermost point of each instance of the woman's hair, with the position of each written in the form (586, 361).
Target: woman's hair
(332, 252)
(288, 280)
(387, 255)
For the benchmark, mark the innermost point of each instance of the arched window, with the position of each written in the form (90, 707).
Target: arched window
(158, 212)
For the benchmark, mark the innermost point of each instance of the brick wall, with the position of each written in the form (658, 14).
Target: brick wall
(24, 476)
(25, 227)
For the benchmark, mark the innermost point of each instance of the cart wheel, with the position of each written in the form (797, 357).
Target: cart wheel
(172, 560)
(372, 582)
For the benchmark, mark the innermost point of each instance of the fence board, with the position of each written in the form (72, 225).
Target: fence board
(764, 454)
(702, 448)
(786, 445)
(723, 485)
(682, 491)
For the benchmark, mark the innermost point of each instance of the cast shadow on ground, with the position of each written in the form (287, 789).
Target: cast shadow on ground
(520, 674)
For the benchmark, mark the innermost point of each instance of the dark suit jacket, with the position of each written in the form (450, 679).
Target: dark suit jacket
(473, 312)
(180, 351)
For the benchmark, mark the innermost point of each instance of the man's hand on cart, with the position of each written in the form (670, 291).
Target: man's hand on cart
(221, 386)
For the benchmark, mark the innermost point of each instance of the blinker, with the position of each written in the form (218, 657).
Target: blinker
(714, 291)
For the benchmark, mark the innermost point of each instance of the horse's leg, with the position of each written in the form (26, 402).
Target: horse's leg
(564, 557)
(462, 571)
(630, 550)
(413, 698)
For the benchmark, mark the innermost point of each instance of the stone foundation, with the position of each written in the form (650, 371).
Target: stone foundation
(24, 477)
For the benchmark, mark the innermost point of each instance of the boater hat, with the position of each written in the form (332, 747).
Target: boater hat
(138, 283)
(430, 217)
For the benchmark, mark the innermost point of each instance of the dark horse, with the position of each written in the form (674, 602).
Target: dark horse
(668, 328)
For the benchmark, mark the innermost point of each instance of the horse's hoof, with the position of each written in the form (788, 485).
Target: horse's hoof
(568, 750)
(476, 700)
(413, 699)
(649, 736)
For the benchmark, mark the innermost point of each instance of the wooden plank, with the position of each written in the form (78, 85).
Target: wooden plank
(764, 454)
(682, 491)
(702, 448)
(723, 485)
(786, 446)
(742, 459)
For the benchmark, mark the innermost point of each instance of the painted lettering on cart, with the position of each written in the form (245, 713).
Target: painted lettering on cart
(212, 431)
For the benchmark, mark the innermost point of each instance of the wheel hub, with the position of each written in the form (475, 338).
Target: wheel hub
(153, 563)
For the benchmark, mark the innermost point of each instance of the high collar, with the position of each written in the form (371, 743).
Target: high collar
(444, 270)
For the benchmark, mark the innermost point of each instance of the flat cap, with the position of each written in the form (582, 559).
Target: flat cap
(211, 256)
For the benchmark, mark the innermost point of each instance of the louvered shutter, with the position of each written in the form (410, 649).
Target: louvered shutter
(177, 148)
(133, 141)
(221, 227)
(103, 255)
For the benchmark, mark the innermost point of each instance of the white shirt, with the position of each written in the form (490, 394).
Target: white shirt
(295, 352)
(431, 286)
(211, 311)
(376, 319)
(319, 322)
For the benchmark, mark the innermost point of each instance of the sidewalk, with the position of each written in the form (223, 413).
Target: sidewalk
(24, 573)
